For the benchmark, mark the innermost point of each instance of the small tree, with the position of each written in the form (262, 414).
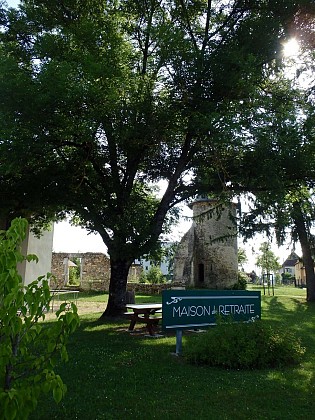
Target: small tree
(241, 257)
(287, 278)
(267, 260)
(155, 275)
(29, 349)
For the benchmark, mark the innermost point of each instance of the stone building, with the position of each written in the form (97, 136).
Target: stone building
(207, 254)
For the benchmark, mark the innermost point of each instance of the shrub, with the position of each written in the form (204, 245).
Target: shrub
(245, 346)
(143, 277)
(242, 279)
(287, 278)
(155, 275)
(74, 276)
(29, 349)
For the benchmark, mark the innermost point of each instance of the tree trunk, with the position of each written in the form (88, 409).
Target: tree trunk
(117, 288)
(307, 253)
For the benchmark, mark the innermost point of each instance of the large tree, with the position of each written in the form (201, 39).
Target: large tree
(273, 153)
(102, 99)
(278, 169)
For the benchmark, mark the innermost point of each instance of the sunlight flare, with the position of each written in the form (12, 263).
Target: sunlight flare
(291, 48)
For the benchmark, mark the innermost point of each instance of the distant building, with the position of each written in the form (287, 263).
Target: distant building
(300, 275)
(164, 264)
(288, 267)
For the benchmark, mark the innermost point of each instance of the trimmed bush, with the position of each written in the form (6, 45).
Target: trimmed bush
(244, 346)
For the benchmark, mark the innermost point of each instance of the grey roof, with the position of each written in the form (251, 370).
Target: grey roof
(291, 260)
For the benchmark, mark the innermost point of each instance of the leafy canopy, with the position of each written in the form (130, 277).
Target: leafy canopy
(125, 93)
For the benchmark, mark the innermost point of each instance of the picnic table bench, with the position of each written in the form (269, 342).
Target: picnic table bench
(148, 313)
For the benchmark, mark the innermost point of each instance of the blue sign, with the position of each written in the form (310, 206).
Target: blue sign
(201, 308)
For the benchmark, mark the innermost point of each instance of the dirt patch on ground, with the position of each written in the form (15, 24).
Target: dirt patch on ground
(83, 308)
(90, 307)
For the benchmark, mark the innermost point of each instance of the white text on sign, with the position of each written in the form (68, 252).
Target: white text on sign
(203, 310)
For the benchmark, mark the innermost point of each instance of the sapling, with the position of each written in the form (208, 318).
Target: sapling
(29, 348)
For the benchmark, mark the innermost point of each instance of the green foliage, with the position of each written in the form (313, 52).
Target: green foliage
(267, 259)
(282, 183)
(287, 278)
(154, 275)
(241, 257)
(253, 345)
(143, 277)
(74, 276)
(74, 272)
(242, 280)
(29, 349)
(125, 94)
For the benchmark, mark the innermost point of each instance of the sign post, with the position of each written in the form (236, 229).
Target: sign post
(179, 342)
(184, 309)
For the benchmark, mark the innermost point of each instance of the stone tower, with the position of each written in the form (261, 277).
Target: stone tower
(207, 254)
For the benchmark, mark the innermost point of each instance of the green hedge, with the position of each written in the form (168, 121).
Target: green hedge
(244, 346)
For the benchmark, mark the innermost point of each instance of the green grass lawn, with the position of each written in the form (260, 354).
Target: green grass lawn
(112, 374)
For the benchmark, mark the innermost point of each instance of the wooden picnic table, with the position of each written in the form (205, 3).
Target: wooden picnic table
(148, 313)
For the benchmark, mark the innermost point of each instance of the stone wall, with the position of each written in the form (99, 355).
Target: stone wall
(95, 274)
(153, 289)
(94, 270)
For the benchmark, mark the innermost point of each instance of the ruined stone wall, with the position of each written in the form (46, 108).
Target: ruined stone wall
(58, 269)
(94, 273)
(153, 289)
(183, 263)
(95, 270)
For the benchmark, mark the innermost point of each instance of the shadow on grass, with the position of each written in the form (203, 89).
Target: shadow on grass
(295, 314)
(112, 374)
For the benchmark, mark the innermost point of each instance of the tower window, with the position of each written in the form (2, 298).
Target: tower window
(201, 273)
